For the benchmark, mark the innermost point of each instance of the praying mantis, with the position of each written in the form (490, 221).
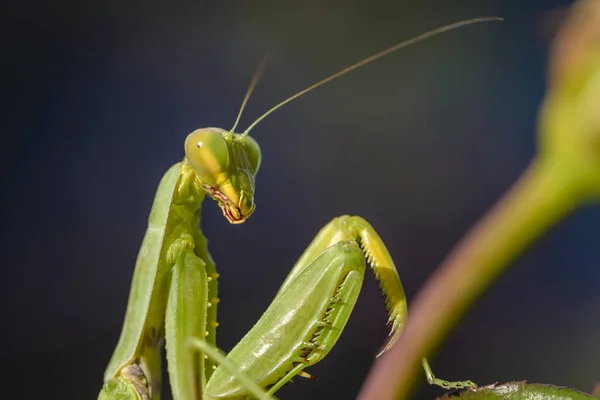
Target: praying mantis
(173, 297)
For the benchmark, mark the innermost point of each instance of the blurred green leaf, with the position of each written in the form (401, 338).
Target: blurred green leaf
(519, 391)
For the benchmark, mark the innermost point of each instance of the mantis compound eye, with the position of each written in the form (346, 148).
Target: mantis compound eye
(208, 154)
(253, 152)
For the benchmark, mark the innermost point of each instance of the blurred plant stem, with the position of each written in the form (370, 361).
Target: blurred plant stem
(563, 176)
(527, 211)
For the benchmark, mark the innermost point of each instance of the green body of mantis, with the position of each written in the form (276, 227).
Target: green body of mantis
(173, 295)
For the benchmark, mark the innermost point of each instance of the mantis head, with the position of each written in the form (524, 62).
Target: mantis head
(226, 165)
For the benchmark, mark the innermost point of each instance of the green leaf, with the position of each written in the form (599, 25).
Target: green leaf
(519, 391)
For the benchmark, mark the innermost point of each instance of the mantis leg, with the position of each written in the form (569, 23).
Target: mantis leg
(134, 371)
(186, 317)
(299, 327)
(311, 309)
(173, 288)
(190, 309)
(432, 380)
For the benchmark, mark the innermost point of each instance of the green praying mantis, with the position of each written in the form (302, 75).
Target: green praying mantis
(173, 297)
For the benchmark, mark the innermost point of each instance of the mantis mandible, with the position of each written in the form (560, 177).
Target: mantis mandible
(173, 296)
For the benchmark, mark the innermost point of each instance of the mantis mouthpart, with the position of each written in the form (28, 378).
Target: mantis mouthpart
(173, 296)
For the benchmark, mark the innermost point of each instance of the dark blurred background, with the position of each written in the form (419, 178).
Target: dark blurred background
(101, 95)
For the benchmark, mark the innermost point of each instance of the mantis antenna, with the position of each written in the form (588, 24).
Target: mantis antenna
(367, 60)
(253, 82)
